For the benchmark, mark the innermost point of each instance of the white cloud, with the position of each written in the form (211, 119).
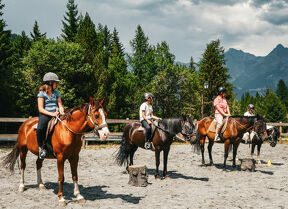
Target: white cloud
(186, 25)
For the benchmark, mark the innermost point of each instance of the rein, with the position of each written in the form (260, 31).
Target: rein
(96, 127)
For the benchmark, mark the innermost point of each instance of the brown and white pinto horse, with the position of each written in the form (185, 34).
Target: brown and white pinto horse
(236, 127)
(65, 140)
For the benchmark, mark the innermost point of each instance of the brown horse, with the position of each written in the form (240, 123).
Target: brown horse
(273, 136)
(162, 139)
(236, 127)
(65, 140)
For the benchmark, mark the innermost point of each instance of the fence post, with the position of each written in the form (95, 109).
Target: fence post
(280, 129)
(83, 142)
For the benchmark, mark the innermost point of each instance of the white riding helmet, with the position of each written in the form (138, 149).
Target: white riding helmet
(50, 77)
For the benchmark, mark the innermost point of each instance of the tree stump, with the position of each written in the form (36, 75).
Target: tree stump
(248, 164)
(138, 175)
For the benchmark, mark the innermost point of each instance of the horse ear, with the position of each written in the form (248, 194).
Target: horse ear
(101, 103)
(184, 117)
(91, 101)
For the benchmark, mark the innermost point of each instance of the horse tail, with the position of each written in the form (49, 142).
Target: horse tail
(10, 159)
(122, 154)
(197, 147)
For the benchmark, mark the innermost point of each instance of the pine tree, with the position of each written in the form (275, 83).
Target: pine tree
(36, 34)
(212, 70)
(87, 37)
(282, 92)
(71, 22)
(140, 49)
(5, 61)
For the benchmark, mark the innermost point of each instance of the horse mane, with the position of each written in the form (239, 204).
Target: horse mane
(170, 124)
(82, 107)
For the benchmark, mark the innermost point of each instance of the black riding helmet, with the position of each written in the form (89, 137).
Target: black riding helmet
(221, 90)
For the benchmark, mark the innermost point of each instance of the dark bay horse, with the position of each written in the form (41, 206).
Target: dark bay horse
(65, 140)
(236, 127)
(273, 136)
(163, 138)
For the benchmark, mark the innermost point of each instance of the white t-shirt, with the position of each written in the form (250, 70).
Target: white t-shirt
(148, 110)
(248, 114)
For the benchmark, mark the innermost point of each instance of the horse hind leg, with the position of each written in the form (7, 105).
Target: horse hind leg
(39, 163)
(210, 145)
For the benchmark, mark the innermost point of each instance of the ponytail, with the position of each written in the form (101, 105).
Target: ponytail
(46, 88)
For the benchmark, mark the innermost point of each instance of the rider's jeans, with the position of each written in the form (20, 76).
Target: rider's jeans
(41, 128)
(147, 130)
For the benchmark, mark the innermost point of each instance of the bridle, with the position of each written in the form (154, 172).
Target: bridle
(96, 126)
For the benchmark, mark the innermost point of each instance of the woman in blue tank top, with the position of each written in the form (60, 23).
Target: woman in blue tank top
(49, 103)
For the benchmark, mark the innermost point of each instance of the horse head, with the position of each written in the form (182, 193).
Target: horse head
(97, 119)
(260, 128)
(273, 136)
(187, 128)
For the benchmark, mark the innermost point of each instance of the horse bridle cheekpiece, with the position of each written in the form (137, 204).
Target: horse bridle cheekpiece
(96, 126)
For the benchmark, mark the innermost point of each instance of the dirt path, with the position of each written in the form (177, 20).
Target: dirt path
(104, 185)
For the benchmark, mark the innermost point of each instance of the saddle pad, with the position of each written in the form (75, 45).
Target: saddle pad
(140, 128)
(212, 127)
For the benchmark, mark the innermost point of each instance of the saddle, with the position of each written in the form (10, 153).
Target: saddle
(138, 128)
(212, 127)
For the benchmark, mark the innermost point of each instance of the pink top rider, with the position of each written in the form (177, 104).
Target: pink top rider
(222, 102)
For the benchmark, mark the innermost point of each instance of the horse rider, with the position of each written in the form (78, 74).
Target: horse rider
(146, 114)
(247, 137)
(221, 110)
(49, 102)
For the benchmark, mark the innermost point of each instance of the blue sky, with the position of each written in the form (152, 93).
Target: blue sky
(254, 26)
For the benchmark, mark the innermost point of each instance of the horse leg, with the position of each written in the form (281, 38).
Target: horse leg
(210, 145)
(165, 157)
(252, 150)
(60, 166)
(73, 165)
(23, 154)
(202, 141)
(258, 153)
(226, 150)
(235, 147)
(157, 158)
(132, 155)
(39, 163)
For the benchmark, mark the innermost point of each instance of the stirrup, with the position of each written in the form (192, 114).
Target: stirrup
(148, 145)
(43, 153)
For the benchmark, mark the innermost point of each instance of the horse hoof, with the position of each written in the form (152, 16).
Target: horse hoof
(259, 162)
(158, 178)
(21, 188)
(80, 199)
(42, 187)
(167, 177)
(62, 202)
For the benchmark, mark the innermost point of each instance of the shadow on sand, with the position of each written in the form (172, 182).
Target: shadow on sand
(176, 175)
(91, 193)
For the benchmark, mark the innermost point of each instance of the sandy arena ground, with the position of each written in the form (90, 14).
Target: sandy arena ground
(104, 185)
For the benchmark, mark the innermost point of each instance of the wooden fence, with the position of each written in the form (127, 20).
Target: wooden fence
(115, 136)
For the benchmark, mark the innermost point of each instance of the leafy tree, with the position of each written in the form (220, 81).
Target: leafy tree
(36, 34)
(71, 22)
(272, 107)
(67, 61)
(212, 70)
(5, 61)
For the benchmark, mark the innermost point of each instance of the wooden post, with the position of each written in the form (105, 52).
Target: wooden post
(280, 129)
(138, 175)
(83, 142)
